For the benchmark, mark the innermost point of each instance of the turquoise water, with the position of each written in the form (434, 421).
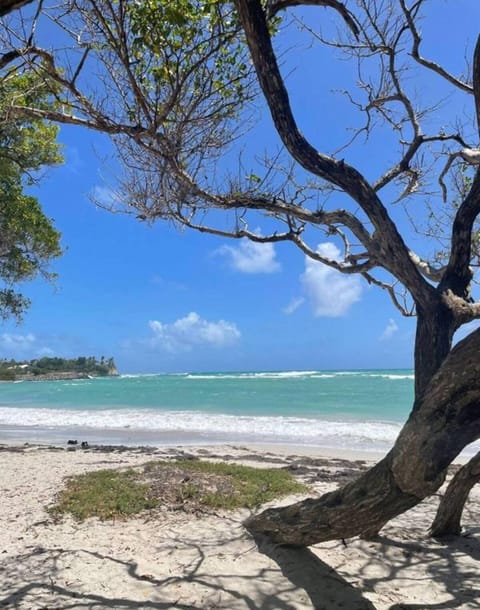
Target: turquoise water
(354, 409)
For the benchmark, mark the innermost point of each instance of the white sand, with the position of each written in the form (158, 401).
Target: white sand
(175, 560)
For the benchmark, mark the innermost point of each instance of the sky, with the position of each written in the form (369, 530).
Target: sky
(162, 300)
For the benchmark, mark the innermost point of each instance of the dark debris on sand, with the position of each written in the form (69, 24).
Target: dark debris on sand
(309, 469)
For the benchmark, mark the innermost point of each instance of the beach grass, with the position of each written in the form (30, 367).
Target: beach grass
(182, 484)
(106, 494)
(230, 486)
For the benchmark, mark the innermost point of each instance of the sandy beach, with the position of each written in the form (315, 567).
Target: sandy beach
(168, 558)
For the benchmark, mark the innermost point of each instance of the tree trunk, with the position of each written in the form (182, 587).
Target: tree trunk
(433, 342)
(448, 518)
(444, 420)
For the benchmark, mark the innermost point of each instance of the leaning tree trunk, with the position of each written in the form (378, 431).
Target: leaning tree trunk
(445, 418)
(448, 518)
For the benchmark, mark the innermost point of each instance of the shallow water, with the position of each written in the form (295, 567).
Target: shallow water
(360, 410)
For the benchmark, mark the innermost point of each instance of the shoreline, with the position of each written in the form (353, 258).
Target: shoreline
(100, 439)
(133, 437)
(58, 436)
(104, 442)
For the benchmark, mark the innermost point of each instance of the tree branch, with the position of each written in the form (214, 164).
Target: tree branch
(463, 310)
(431, 65)
(393, 250)
(408, 312)
(476, 81)
(426, 269)
(458, 275)
(275, 7)
(9, 57)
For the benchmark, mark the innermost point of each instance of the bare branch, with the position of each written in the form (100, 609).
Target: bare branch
(458, 275)
(408, 312)
(349, 267)
(426, 269)
(275, 7)
(8, 58)
(431, 65)
(462, 310)
(469, 155)
(476, 81)
(80, 65)
(384, 35)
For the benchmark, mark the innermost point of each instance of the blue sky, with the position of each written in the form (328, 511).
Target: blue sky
(161, 300)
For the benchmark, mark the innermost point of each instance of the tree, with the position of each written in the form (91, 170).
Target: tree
(172, 82)
(28, 239)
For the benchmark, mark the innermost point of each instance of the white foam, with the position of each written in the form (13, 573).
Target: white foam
(141, 375)
(323, 376)
(262, 375)
(295, 429)
(373, 375)
(392, 376)
(275, 375)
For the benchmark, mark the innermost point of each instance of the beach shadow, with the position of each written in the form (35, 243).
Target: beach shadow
(46, 577)
(442, 560)
(409, 563)
(325, 587)
(426, 562)
(37, 580)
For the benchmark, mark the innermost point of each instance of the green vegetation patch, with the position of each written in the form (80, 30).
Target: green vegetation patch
(192, 486)
(106, 494)
(220, 485)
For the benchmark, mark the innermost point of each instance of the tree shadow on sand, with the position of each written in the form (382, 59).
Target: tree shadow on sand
(44, 578)
(325, 587)
(38, 579)
(410, 563)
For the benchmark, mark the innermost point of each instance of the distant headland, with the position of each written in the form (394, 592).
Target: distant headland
(53, 369)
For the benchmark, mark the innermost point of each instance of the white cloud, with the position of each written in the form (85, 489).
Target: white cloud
(46, 351)
(22, 346)
(390, 329)
(17, 343)
(294, 304)
(330, 292)
(190, 331)
(251, 257)
(105, 196)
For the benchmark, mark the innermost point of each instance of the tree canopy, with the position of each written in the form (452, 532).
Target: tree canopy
(51, 366)
(28, 239)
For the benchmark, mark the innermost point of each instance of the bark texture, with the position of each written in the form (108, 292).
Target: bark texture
(449, 515)
(444, 421)
(433, 342)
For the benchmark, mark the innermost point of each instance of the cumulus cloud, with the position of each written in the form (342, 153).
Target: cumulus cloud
(22, 346)
(390, 329)
(190, 331)
(330, 292)
(294, 304)
(251, 257)
(10, 341)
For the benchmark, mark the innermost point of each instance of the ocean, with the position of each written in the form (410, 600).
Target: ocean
(340, 410)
